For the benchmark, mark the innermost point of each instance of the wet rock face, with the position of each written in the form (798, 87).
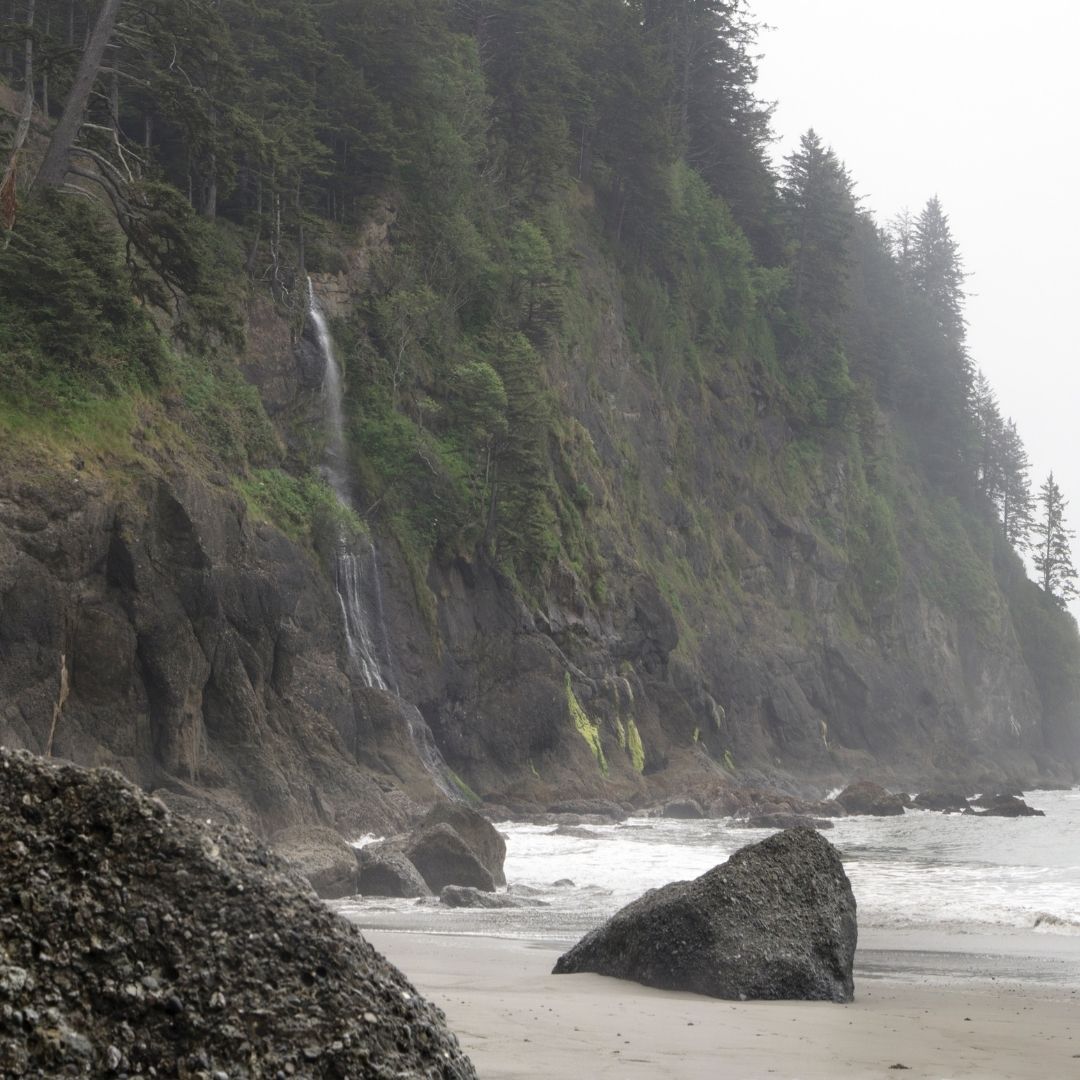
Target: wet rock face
(134, 940)
(443, 858)
(167, 633)
(485, 840)
(385, 871)
(1006, 806)
(684, 810)
(458, 896)
(865, 797)
(776, 921)
(321, 856)
(947, 802)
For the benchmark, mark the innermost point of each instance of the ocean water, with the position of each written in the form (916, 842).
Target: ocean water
(948, 874)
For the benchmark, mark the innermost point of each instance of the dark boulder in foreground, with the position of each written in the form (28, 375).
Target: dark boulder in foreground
(865, 797)
(384, 871)
(136, 942)
(485, 840)
(443, 858)
(776, 921)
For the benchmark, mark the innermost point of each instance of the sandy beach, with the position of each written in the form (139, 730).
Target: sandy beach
(940, 1007)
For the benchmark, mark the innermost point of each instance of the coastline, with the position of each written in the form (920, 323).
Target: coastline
(941, 1005)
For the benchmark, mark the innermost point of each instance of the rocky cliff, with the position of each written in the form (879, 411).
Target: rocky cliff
(490, 417)
(154, 619)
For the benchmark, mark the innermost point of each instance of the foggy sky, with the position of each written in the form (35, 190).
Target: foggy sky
(974, 102)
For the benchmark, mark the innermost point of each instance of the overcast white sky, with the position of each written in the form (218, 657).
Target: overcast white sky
(974, 101)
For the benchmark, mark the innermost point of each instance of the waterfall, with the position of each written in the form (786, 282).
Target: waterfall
(349, 576)
(356, 573)
(349, 582)
(335, 467)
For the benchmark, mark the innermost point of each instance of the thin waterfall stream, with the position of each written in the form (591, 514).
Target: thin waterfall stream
(356, 571)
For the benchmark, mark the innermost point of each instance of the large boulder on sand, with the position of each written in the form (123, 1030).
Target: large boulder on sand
(485, 840)
(322, 856)
(385, 871)
(138, 942)
(865, 797)
(443, 858)
(776, 921)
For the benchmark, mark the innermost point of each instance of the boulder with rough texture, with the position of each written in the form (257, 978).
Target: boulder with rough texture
(322, 856)
(443, 858)
(872, 799)
(485, 840)
(385, 871)
(137, 942)
(776, 921)
(458, 896)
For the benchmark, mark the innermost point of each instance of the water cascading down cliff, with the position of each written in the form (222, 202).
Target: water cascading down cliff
(356, 573)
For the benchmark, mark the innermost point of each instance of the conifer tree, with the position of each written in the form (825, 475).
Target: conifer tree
(1014, 499)
(938, 270)
(989, 433)
(1053, 552)
(820, 206)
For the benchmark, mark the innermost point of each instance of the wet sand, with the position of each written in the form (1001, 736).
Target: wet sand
(943, 1008)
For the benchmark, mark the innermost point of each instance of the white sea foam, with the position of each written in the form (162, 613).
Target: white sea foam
(948, 872)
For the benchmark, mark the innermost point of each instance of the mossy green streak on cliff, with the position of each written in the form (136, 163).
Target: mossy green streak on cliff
(586, 727)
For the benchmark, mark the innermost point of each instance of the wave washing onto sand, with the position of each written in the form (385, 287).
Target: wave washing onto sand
(951, 873)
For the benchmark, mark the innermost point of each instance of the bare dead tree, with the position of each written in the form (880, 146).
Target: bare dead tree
(57, 158)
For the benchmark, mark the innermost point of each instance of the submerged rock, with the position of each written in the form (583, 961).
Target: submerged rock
(458, 896)
(781, 821)
(596, 808)
(133, 941)
(385, 871)
(865, 797)
(579, 832)
(483, 838)
(947, 802)
(444, 858)
(1005, 806)
(776, 921)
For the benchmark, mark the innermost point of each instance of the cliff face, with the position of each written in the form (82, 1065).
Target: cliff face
(156, 628)
(152, 619)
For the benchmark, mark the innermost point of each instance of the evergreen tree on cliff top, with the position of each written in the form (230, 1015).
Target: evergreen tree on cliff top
(1014, 499)
(819, 206)
(1053, 552)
